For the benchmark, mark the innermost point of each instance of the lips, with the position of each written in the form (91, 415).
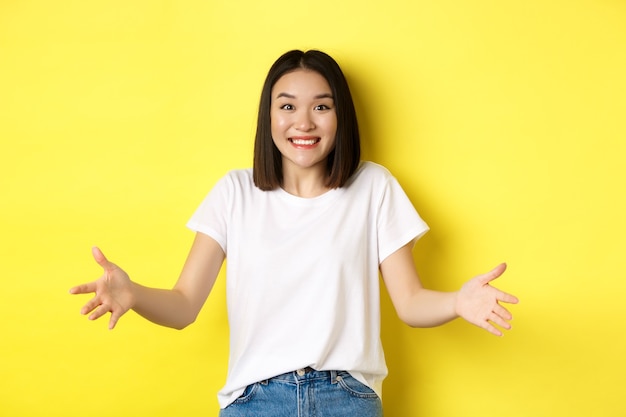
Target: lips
(304, 141)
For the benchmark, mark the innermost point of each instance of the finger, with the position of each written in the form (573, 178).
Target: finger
(493, 274)
(492, 329)
(507, 298)
(90, 306)
(100, 311)
(504, 297)
(494, 318)
(503, 312)
(84, 288)
(100, 258)
(115, 316)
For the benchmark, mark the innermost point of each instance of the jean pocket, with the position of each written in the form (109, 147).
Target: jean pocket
(354, 387)
(247, 394)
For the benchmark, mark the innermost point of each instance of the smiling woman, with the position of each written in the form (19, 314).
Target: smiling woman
(304, 125)
(345, 153)
(313, 273)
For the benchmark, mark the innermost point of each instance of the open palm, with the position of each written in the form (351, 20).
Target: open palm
(113, 291)
(479, 303)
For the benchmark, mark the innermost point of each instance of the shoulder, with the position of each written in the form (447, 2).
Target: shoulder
(373, 168)
(244, 174)
(238, 178)
(234, 182)
(371, 172)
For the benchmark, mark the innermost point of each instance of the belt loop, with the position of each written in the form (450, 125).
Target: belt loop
(333, 377)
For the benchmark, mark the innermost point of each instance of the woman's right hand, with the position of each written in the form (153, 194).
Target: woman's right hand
(113, 291)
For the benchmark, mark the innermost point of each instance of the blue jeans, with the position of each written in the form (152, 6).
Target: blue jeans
(307, 393)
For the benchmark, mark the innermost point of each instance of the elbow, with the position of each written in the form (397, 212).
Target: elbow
(185, 313)
(416, 322)
(182, 320)
(184, 323)
(415, 317)
(410, 321)
(419, 324)
(407, 318)
(407, 313)
(422, 319)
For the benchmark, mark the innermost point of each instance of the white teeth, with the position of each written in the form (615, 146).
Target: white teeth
(303, 141)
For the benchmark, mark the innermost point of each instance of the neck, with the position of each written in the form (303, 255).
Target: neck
(305, 183)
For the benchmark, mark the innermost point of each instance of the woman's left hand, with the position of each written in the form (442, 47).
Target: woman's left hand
(479, 303)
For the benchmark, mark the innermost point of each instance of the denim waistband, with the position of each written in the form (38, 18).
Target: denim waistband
(304, 375)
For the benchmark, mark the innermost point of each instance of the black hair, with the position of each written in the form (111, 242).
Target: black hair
(344, 159)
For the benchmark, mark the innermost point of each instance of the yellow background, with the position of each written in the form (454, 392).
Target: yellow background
(504, 121)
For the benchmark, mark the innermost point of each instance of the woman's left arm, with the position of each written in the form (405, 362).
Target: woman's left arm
(477, 301)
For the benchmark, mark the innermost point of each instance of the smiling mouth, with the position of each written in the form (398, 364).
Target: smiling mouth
(304, 142)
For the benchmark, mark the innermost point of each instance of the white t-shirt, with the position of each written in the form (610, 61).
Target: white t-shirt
(302, 273)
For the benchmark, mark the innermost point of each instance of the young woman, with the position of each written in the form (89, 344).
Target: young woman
(306, 232)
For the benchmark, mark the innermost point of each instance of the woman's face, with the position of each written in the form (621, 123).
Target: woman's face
(303, 120)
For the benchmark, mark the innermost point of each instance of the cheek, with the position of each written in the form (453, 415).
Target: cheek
(277, 123)
(331, 126)
(277, 130)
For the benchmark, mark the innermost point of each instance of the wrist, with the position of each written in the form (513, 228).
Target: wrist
(134, 295)
(455, 304)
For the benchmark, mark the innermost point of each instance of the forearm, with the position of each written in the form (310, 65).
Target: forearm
(180, 306)
(115, 293)
(477, 301)
(428, 308)
(168, 308)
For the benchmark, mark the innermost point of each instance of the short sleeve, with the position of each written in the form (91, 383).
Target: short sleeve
(398, 222)
(210, 217)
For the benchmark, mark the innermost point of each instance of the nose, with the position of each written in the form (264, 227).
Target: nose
(304, 121)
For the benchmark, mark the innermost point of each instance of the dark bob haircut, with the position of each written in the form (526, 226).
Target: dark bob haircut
(344, 159)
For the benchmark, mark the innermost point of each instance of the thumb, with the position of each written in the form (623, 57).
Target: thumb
(100, 258)
(493, 274)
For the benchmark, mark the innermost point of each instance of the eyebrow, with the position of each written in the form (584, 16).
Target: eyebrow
(317, 97)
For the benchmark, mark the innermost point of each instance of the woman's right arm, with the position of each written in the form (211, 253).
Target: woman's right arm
(177, 308)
